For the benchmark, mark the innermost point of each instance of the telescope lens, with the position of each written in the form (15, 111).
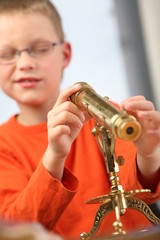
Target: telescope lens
(129, 130)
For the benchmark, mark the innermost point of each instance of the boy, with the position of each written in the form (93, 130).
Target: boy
(50, 163)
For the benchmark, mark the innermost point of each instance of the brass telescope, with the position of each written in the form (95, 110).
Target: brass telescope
(122, 124)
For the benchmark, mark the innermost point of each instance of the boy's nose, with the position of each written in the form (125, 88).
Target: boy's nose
(25, 61)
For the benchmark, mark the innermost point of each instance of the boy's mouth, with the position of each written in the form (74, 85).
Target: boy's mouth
(28, 82)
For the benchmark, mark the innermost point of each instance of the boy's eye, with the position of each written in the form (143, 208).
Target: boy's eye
(7, 54)
(41, 48)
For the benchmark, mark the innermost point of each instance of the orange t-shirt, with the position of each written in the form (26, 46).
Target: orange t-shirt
(29, 193)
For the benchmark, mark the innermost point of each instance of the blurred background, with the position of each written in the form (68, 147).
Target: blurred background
(116, 49)
(115, 46)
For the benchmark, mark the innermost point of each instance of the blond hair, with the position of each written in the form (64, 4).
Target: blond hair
(44, 7)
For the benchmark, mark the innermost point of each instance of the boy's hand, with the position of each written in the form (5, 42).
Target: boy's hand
(64, 123)
(148, 144)
(149, 119)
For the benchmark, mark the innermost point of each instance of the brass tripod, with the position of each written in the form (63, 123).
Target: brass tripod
(117, 200)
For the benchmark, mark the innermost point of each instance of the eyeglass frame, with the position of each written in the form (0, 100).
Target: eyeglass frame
(30, 52)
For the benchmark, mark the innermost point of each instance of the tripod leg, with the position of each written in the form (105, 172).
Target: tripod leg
(103, 210)
(142, 207)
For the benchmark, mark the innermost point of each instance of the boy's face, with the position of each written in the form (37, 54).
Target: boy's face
(31, 80)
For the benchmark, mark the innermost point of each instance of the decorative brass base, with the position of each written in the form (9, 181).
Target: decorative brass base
(108, 206)
(117, 200)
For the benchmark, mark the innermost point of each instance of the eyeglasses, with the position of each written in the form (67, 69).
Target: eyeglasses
(37, 50)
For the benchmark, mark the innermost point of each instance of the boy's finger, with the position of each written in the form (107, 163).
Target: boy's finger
(132, 99)
(139, 105)
(65, 94)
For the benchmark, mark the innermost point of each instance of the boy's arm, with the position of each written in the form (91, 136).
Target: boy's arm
(64, 123)
(148, 144)
(44, 195)
(149, 170)
(129, 172)
(39, 198)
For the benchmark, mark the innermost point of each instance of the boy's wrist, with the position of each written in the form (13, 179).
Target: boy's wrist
(53, 163)
(149, 163)
(149, 170)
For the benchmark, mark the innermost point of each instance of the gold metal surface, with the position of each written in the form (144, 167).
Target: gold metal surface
(120, 123)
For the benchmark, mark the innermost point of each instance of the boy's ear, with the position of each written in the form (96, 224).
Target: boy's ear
(67, 53)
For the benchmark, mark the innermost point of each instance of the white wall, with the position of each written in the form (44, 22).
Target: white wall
(91, 27)
(150, 17)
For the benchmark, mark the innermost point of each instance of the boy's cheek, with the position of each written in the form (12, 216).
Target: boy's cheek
(5, 72)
